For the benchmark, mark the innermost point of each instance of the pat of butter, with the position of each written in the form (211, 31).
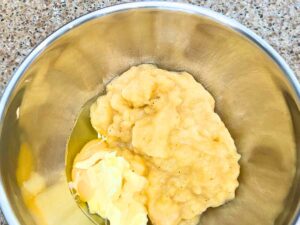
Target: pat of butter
(117, 190)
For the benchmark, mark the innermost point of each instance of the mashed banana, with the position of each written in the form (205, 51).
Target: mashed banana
(166, 153)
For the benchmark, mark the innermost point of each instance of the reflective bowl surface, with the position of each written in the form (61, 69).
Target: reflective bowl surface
(257, 97)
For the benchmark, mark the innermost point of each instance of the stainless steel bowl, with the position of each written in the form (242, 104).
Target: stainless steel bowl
(257, 96)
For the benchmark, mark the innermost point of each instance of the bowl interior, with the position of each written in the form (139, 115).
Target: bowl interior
(254, 98)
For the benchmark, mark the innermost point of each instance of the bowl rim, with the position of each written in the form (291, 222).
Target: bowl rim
(5, 203)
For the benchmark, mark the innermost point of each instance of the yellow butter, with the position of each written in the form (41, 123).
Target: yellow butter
(116, 190)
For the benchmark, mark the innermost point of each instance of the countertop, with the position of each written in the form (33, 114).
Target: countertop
(24, 24)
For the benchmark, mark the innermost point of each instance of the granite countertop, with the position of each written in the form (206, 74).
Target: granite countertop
(23, 24)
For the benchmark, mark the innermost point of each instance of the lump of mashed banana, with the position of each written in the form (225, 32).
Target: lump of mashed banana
(166, 154)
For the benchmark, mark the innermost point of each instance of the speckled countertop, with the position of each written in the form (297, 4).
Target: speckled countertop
(23, 24)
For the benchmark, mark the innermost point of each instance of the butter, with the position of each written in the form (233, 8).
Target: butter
(117, 190)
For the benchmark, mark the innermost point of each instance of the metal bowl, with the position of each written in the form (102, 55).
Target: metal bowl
(257, 96)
